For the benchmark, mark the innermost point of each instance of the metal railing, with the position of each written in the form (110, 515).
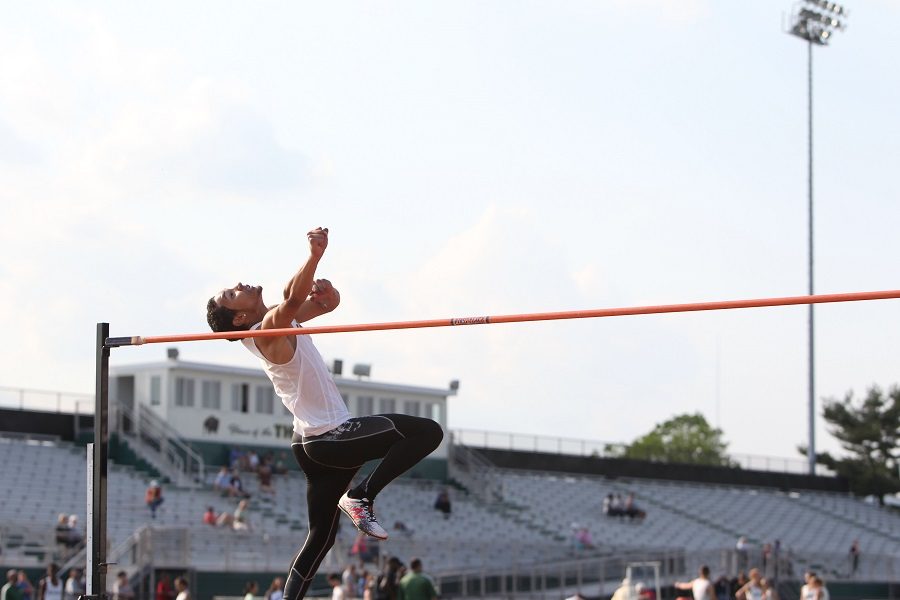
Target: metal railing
(43, 400)
(523, 442)
(158, 442)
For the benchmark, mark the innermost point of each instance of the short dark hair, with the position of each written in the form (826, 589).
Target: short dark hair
(415, 564)
(221, 318)
(704, 570)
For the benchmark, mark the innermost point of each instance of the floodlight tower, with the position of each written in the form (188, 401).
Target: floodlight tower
(814, 21)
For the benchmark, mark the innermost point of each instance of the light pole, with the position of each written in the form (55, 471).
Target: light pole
(814, 21)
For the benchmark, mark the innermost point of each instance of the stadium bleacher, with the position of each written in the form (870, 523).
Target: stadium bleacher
(532, 523)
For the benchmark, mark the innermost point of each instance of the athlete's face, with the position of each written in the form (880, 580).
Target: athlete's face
(241, 297)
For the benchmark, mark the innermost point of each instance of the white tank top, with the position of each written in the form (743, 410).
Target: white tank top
(53, 592)
(700, 588)
(305, 387)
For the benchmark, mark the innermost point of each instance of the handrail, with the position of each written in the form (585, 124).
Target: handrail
(480, 438)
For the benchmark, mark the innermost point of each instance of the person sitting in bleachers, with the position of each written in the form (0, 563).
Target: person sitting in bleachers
(62, 530)
(442, 503)
(222, 482)
(631, 510)
(616, 506)
(75, 536)
(237, 487)
(403, 528)
(241, 520)
(264, 474)
(210, 517)
(153, 497)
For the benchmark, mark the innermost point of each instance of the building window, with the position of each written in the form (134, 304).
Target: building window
(387, 405)
(155, 390)
(210, 395)
(411, 407)
(435, 409)
(265, 399)
(184, 391)
(365, 405)
(240, 397)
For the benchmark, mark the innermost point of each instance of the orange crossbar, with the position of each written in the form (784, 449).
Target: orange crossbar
(544, 316)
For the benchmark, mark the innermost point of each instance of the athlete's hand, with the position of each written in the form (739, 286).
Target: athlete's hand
(318, 241)
(324, 294)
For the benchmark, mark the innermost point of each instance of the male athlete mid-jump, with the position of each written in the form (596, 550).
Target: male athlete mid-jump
(328, 444)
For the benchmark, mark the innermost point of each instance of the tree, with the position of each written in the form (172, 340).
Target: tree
(682, 439)
(868, 431)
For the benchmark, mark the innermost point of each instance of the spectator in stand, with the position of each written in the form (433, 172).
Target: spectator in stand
(241, 520)
(631, 509)
(701, 587)
(153, 497)
(225, 519)
(122, 589)
(337, 588)
(401, 527)
(50, 587)
(252, 461)
(237, 487)
(616, 506)
(607, 504)
(74, 585)
(250, 590)
(24, 585)
(181, 586)
(75, 535)
(164, 590)
(222, 482)
(388, 579)
(210, 517)
(264, 474)
(742, 552)
(281, 464)
(62, 530)
(276, 589)
(582, 537)
(442, 503)
(854, 557)
(234, 458)
(9, 591)
(416, 586)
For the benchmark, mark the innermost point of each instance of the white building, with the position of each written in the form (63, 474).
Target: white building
(216, 407)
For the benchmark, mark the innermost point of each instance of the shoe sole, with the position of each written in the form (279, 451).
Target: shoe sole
(349, 516)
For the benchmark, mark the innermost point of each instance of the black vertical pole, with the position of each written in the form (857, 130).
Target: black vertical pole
(811, 449)
(97, 560)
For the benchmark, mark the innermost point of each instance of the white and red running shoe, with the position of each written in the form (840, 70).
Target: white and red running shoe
(363, 516)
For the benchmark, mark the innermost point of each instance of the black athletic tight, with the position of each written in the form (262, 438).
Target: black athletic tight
(332, 459)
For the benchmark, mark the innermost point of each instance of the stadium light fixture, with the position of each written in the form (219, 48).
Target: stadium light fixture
(814, 21)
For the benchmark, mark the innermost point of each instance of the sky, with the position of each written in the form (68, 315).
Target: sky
(469, 158)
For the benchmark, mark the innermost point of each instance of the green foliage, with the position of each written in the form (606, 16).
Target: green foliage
(682, 439)
(868, 431)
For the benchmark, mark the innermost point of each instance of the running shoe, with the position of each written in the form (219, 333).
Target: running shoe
(363, 516)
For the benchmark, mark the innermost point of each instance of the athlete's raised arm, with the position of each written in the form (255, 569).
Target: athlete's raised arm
(298, 289)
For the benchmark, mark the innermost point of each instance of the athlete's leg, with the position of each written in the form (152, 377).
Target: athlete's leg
(325, 486)
(418, 437)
